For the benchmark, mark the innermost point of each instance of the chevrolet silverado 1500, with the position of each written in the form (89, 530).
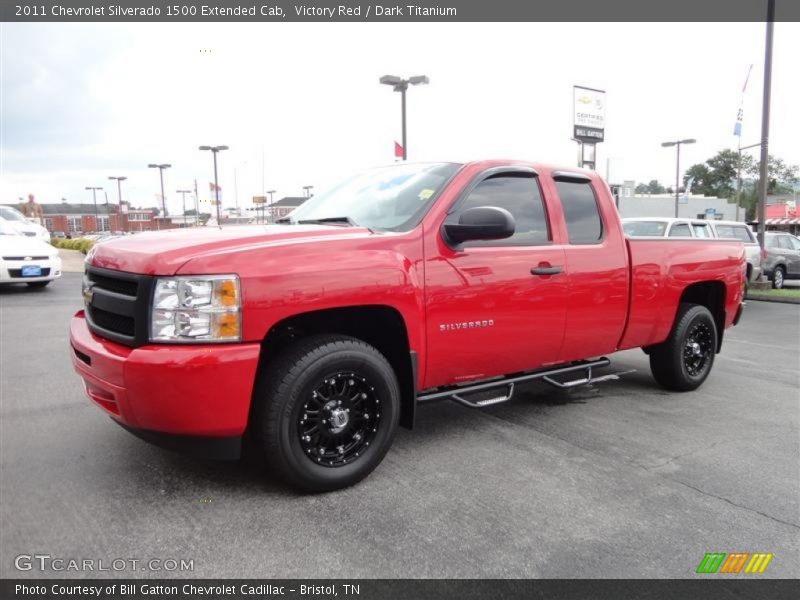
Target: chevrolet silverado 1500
(309, 340)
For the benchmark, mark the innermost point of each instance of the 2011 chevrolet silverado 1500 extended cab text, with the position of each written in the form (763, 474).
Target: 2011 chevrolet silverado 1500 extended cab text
(313, 338)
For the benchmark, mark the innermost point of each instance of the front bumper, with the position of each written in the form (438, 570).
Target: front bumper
(10, 270)
(197, 391)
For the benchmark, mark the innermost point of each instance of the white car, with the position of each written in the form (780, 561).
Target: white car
(23, 226)
(25, 259)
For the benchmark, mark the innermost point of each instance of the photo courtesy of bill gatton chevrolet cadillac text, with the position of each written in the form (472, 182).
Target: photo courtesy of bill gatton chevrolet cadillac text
(309, 341)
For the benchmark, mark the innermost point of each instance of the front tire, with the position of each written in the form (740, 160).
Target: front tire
(327, 412)
(684, 360)
(778, 278)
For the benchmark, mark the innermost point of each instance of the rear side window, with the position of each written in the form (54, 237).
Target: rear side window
(701, 230)
(580, 212)
(735, 232)
(519, 194)
(644, 228)
(680, 230)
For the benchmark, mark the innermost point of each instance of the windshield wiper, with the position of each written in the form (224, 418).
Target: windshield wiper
(283, 220)
(329, 221)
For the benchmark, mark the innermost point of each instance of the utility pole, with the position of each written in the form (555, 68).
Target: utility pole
(764, 171)
(183, 195)
(271, 193)
(196, 206)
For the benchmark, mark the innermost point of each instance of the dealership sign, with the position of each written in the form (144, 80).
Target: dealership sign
(589, 114)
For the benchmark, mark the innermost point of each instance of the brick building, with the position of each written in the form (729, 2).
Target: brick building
(80, 218)
(284, 206)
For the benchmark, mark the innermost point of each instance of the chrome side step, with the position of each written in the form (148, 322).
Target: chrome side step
(458, 393)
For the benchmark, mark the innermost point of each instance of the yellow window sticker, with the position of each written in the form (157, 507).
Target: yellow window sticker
(425, 194)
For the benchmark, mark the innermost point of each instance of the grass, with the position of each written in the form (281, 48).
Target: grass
(784, 293)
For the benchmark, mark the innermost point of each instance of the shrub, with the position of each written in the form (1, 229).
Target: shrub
(80, 244)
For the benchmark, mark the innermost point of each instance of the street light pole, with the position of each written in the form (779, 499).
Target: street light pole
(94, 198)
(123, 222)
(183, 196)
(308, 189)
(214, 150)
(401, 85)
(161, 168)
(677, 145)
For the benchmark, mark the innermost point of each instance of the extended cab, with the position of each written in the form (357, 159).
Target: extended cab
(313, 338)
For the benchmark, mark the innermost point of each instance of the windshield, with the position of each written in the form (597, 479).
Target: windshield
(392, 198)
(5, 228)
(12, 214)
(644, 228)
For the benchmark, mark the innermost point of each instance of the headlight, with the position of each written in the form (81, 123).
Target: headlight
(206, 308)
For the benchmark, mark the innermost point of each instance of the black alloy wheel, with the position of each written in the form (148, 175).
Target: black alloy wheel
(684, 360)
(325, 412)
(340, 419)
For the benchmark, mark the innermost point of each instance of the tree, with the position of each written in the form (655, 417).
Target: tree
(650, 188)
(782, 177)
(717, 176)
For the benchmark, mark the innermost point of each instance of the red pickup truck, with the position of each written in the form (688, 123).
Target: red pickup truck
(308, 341)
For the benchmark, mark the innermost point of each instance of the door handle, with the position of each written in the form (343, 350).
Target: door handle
(545, 270)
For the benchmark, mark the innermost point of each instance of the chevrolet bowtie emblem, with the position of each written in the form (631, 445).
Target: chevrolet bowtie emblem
(88, 294)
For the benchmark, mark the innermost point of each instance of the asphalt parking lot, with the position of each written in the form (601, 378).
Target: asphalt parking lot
(618, 480)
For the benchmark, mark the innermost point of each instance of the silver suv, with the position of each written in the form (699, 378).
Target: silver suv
(783, 258)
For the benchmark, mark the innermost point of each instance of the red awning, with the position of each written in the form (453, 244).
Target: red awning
(783, 221)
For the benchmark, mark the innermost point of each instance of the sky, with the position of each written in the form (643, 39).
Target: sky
(299, 103)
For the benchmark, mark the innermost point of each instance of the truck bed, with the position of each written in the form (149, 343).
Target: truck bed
(660, 271)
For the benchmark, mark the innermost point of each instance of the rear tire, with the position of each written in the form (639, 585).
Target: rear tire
(684, 360)
(778, 278)
(327, 412)
(38, 284)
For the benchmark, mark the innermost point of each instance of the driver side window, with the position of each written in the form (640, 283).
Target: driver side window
(519, 194)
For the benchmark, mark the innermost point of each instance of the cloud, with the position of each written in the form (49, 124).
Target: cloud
(82, 102)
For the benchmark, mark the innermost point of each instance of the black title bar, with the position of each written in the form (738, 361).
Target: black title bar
(402, 11)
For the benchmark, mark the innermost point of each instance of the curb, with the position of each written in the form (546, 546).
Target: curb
(778, 299)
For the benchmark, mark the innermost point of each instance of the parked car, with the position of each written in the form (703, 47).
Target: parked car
(313, 338)
(736, 230)
(25, 259)
(59, 235)
(782, 261)
(23, 226)
(700, 228)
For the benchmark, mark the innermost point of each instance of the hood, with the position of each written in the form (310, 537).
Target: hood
(164, 252)
(19, 245)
